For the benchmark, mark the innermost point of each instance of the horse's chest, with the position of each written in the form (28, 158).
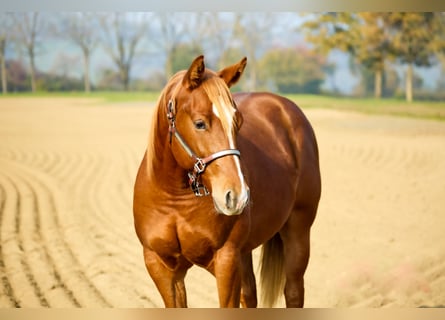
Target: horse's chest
(197, 245)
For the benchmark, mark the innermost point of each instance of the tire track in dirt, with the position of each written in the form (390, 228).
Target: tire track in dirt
(85, 177)
(8, 297)
(107, 234)
(44, 248)
(47, 280)
(105, 187)
(83, 201)
(81, 224)
(17, 270)
(100, 248)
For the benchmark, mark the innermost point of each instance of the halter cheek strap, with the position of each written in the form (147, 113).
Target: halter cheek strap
(200, 165)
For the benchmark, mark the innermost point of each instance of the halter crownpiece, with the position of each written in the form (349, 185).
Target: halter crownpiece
(194, 175)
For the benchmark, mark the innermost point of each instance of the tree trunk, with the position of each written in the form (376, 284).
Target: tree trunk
(33, 71)
(125, 77)
(409, 83)
(86, 70)
(378, 84)
(3, 67)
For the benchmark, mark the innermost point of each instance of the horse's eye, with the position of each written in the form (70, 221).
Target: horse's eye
(200, 125)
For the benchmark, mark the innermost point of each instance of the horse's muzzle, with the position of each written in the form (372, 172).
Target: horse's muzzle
(233, 203)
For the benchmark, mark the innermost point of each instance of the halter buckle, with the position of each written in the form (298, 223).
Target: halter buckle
(171, 119)
(170, 111)
(199, 166)
(197, 187)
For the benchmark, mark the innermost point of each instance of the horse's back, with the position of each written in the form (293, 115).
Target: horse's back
(280, 157)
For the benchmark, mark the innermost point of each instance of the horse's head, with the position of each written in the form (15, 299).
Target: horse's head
(204, 122)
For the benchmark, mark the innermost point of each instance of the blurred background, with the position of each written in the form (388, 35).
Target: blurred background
(367, 54)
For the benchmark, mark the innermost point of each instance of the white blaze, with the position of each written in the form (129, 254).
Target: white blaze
(227, 121)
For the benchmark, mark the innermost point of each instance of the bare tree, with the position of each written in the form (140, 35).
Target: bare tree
(196, 28)
(5, 25)
(82, 29)
(172, 29)
(28, 27)
(253, 30)
(221, 29)
(123, 33)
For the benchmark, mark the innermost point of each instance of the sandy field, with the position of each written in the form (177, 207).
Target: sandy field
(67, 168)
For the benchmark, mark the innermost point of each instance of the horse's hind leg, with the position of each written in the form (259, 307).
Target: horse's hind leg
(169, 281)
(296, 243)
(248, 285)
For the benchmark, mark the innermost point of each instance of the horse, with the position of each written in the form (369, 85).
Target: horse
(223, 174)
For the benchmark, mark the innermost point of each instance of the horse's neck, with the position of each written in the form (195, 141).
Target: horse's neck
(164, 170)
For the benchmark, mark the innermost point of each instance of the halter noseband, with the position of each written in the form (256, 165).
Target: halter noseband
(200, 165)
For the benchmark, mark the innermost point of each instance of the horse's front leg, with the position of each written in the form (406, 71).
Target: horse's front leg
(227, 270)
(248, 283)
(168, 277)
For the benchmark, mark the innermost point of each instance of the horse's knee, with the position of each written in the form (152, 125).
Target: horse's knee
(170, 282)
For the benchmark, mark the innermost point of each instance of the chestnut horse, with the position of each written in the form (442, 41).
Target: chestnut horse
(222, 175)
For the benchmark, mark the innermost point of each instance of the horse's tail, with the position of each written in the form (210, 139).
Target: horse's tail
(272, 270)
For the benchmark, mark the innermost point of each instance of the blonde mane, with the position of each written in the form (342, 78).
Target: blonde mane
(152, 154)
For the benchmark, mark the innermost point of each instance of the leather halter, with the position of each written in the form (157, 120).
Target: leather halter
(194, 175)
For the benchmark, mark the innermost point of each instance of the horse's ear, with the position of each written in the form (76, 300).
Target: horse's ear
(232, 74)
(194, 75)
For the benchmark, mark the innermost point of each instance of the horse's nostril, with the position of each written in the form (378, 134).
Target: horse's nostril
(230, 199)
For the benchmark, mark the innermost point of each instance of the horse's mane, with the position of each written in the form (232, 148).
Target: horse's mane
(152, 154)
(216, 90)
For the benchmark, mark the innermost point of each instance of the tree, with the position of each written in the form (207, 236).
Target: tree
(172, 30)
(373, 46)
(5, 26)
(108, 79)
(28, 27)
(294, 70)
(17, 76)
(81, 29)
(221, 31)
(182, 55)
(196, 30)
(363, 35)
(390, 81)
(330, 30)
(416, 39)
(252, 30)
(211, 32)
(123, 33)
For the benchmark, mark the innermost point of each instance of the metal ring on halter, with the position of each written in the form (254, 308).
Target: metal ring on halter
(199, 166)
